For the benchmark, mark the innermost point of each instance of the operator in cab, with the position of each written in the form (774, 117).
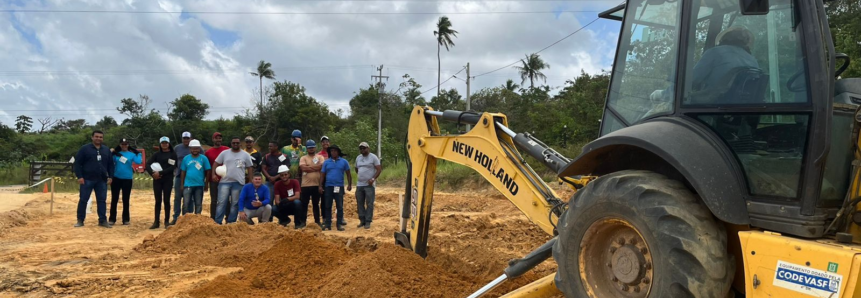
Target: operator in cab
(731, 54)
(717, 65)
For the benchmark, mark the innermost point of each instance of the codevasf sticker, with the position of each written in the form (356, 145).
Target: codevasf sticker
(806, 280)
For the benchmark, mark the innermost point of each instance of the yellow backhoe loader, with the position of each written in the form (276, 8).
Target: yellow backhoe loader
(727, 166)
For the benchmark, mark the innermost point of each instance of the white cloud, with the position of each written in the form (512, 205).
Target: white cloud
(103, 58)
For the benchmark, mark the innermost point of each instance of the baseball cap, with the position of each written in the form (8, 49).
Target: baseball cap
(194, 143)
(324, 138)
(283, 169)
(364, 144)
(249, 138)
(310, 144)
(164, 139)
(186, 134)
(124, 141)
(216, 134)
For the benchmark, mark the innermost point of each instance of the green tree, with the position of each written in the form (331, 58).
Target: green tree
(845, 29)
(531, 69)
(291, 108)
(510, 85)
(264, 70)
(444, 34)
(106, 123)
(187, 108)
(23, 124)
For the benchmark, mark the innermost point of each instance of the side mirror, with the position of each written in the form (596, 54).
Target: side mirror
(753, 7)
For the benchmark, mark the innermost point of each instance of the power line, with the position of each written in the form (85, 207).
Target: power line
(541, 50)
(443, 82)
(291, 12)
(124, 72)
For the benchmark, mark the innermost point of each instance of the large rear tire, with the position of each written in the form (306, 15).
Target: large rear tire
(640, 234)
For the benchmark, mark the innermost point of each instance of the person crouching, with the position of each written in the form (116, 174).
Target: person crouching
(287, 202)
(255, 201)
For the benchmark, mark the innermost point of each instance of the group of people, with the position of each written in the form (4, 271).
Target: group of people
(243, 183)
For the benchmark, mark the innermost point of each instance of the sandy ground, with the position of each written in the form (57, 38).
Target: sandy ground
(473, 235)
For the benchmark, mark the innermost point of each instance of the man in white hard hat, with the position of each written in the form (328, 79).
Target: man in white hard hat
(287, 202)
(195, 169)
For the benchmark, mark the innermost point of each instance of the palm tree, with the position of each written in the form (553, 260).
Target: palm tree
(443, 34)
(264, 70)
(510, 85)
(531, 69)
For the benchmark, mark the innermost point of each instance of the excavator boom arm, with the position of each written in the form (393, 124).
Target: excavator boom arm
(490, 150)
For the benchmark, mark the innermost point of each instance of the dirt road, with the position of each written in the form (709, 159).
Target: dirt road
(472, 238)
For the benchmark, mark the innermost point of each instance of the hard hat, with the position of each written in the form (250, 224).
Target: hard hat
(194, 143)
(221, 171)
(283, 168)
(310, 144)
(297, 134)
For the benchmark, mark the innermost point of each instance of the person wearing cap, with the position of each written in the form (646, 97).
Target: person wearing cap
(161, 167)
(332, 187)
(295, 149)
(271, 163)
(124, 156)
(94, 169)
(239, 171)
(255, 201)
(310, 166)
(195, 169)
(182, 150)
(324, 144)
(256, 157)
(287, 202)
(214, 180)
(731, 53)
(368, 168)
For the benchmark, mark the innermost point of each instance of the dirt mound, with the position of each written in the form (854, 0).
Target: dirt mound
(201, 241)
(295, 266)
(392, 271)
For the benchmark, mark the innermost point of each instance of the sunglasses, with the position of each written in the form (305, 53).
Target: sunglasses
(363, 147)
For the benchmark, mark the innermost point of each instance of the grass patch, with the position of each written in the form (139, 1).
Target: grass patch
(13, 175)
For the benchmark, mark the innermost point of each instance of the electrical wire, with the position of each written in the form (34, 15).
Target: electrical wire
(143, 12)
(446, 80)
(541, 50)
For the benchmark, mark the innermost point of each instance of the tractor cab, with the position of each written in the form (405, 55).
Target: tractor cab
(754, 81)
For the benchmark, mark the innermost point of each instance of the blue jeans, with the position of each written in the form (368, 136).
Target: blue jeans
(101, 189)
(365, 200)
(192, 199)
(271, 187)
(177, 198)
(228, 190)
(338, 199)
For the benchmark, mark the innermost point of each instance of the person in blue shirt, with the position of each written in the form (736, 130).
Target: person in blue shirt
(94, 169)
(194, 180)
(124, 156)
(332, 186)
(255, 201)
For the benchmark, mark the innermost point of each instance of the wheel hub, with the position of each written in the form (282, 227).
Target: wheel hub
(628, 264)
(615, 260)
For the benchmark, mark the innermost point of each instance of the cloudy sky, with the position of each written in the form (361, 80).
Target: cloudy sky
(77, 59)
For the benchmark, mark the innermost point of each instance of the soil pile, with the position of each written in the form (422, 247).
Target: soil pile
(392, 271)
(201, 241)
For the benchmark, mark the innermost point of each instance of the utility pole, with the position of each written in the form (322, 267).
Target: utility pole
(468, 127)
(380, 87)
